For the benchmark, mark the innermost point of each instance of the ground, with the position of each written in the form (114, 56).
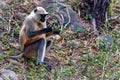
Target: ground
(76, 57)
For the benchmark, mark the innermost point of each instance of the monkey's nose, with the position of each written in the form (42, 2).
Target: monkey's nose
(42, 19)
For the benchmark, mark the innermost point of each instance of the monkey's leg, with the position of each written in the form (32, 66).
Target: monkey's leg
(41, 53)
(41, 50)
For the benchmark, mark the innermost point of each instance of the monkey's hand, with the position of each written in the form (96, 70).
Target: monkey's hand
(57, 31)
(48, 29)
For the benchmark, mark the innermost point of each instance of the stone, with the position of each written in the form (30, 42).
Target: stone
(65, 14)
(74, 44)
(3, 5)
(105, 41)
(8, 75)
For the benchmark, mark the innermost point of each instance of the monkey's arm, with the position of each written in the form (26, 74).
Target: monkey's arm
(33, 36)
(44, 33)
(28, 37)
(39, 32)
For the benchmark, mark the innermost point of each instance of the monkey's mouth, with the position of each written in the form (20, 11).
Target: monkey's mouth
(42, 17)
(42, 20)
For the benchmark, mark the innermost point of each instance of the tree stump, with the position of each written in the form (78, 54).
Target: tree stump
(97, 9)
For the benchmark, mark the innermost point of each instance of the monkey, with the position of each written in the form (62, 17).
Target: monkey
(34, 35)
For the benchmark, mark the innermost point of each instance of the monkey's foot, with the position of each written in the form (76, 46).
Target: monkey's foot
(49, 67)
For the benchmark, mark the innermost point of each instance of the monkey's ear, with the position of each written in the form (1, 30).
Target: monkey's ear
(35, 10)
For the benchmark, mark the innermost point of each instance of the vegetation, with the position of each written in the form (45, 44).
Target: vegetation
(76, 57)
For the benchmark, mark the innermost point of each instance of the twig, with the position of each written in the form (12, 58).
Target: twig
(113, 18)
(67, 13)
(9, 26)
(62, 21)
(103, 71)
(68, 18)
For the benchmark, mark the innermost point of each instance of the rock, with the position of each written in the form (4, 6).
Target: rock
(8, 75)
(105, 42)
(74, 44)
(109, 39)
(64, 14)
(3, 4)
(77, 27)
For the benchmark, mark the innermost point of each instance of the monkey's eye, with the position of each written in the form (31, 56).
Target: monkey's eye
(35, 10)
(43, 15)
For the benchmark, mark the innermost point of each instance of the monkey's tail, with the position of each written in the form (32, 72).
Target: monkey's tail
(17, 56)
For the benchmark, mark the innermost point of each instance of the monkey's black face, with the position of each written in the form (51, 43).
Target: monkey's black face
(42, 17)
